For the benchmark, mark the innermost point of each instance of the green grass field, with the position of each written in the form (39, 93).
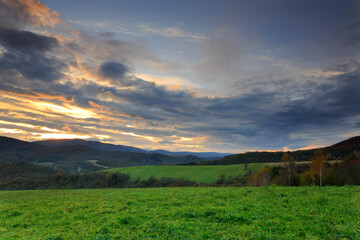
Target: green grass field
(204, 174)
(182, 213)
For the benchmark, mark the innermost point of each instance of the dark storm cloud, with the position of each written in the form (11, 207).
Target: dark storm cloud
(146, 94)
(261, 116)
(150, 94)
(344, 97)
(257, 113)
(145, 100)
(27, 54)
(113, 70)
(16, 40)
(298, 117)
(332, 104)
(32, 66)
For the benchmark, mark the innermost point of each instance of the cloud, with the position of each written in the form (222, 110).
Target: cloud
(225, 55)
(32, 67)
(16, 40)
(229, 121)
(172, 32)
(343, 67)
(21, 13)
(136, 55)
(26, 53)
(113, 70)
(103, 26)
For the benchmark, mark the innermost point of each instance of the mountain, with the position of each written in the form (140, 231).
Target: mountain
(12, 149)
(92, 144)
(111, 147)
(346, 146)
(212, 155)
(7, 143)
(72, 158)
(337, 151)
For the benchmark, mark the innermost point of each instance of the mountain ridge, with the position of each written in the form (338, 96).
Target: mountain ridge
(114, 147)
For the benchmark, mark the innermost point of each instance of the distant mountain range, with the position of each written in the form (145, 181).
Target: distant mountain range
(80, 155)
(91, 144)
(112, 147)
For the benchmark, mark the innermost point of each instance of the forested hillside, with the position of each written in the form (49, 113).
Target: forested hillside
(336, 151)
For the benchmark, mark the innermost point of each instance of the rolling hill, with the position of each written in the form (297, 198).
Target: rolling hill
(73, 158)
(337, 151)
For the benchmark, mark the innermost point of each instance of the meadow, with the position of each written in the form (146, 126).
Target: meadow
(205, 174)
(182, 213)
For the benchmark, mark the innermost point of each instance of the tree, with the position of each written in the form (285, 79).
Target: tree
(289, 164)
(246, 165)
(306, 178)
(317, 166)
(221, 180)
(262, 177)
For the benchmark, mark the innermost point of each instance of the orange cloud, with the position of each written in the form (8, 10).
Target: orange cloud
(59, 136)
(68, 110)
(49, 129)
(150, 138)
(11, 130)
(46, 108)
(38, 95)
(17, 124)
(25, 107)
(304, 148)
(34, 13)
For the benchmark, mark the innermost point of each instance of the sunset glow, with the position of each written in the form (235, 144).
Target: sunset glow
(59, 136)
(71, 111)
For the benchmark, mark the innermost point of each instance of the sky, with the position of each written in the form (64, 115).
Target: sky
(205, 75)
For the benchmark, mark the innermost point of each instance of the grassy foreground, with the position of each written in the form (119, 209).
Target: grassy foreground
(178, 213)
(199, 174)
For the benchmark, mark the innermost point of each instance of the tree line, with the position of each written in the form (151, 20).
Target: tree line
(318, 172)
(92, 180)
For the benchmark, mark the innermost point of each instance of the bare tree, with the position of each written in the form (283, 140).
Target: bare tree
(317, 166)
(289, 164)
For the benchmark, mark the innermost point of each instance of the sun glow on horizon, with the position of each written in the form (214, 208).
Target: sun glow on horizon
(59, 136)
(10, 130)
